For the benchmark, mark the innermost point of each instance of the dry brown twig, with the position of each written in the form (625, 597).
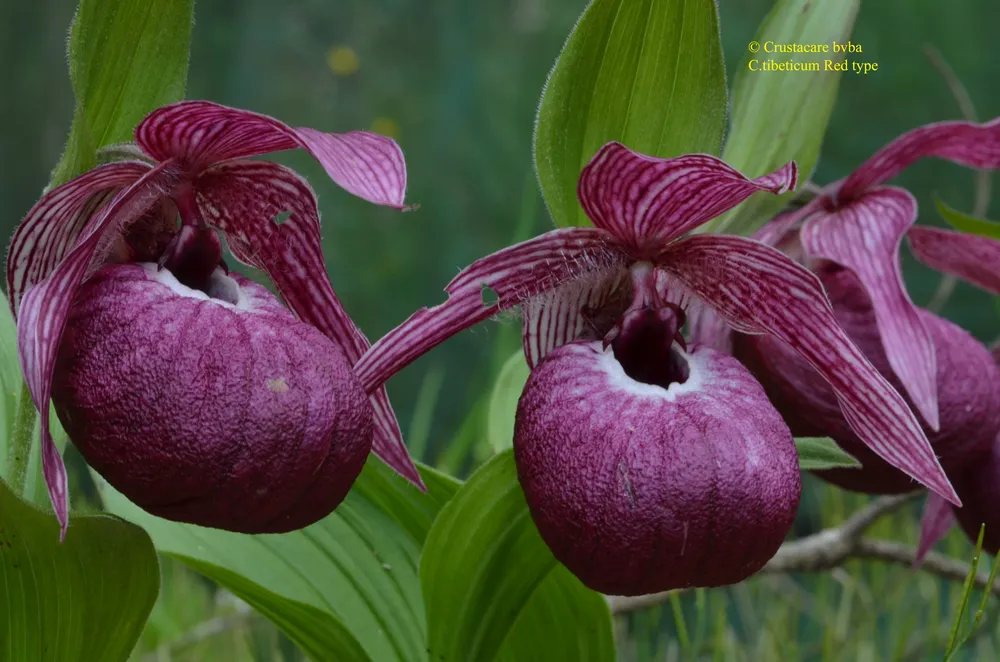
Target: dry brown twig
(831, 548)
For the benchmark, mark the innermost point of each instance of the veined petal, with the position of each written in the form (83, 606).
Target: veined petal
(938, 517)
(774, 231)
(646, 201)
(199, 133)
(271, 222)
(706, 327)
(578, 309)
(45, 308)
(967, 256)
(864, 236)
(973, 145)
(510, 276)
(54, 223)
(757, 289)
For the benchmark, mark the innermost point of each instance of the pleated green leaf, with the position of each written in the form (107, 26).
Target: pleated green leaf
(779, 116)
(647, 73)
(81, 600)
(345, 588)
(492, 588)
(503, 401)
(126, 57)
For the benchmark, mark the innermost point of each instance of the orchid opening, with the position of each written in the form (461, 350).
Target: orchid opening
(850, 237)
(615, 452)
(189, 388)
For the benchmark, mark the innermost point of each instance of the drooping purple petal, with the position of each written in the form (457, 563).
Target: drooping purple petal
(938, 517)
(270, 219)
(199, 133)
(586, 307)
(864, 236)
(967, 256)
(488, 286)
(44, 310)
(54, 223)
(646, 201)
(973, 145)
(757, 289)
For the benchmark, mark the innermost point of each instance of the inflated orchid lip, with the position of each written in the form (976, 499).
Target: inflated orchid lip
(979, 484)
(192, 159)
(641, 207)
(236, 416)
(639, 488)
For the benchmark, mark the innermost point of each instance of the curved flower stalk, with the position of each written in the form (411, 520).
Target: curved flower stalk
(190, 389)
(850, 236)
(639, 455)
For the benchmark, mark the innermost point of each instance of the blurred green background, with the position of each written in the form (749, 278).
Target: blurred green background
(457, 84)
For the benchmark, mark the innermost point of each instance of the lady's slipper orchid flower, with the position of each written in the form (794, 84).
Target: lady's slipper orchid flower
(192, 390)
(648, 464)
(850, 236)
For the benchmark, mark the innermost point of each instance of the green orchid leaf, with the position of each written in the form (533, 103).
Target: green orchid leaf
(492, 588)
(126, 57)
(345, 588)
(647, 73)
(818, 453)
(503, 402)
(84, 599)
(965, 223)
(779, 116)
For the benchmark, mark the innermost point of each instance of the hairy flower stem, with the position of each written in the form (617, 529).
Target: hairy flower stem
(19, 453)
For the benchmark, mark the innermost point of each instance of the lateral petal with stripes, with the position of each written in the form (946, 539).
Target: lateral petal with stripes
(757, 289)
(243, 199)
(45, 308)
(489, 286)
(864, 236)
(970, 257)
(53, 225)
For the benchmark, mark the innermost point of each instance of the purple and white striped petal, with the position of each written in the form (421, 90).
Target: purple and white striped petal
(199, 133)
(864, 236)
(510, 276)
(757, 289)
(269, 216)
(937, 518)
(970, 257)
(54, 223)
(965, 143)
(45, 307)
(646, 202)
(775, 231)
(583, 308)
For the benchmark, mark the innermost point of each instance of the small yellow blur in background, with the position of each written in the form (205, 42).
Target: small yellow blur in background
(342, 60)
